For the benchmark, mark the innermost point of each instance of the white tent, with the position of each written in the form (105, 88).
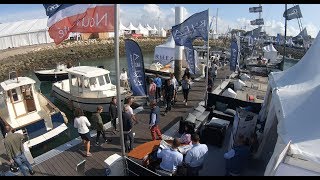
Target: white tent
(142, 30)
(122, 29)
(149, 28)
(269, 52)
(163, 32)
(154, 30)
(24, 33)
(164, 53)
(131, 27)
(293, 100)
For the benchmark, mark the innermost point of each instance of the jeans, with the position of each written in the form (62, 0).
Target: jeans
(185, 94)
(169, 104)
(128, 140)
(22, 160)
(158, 92)
(114, 123)
(98, 136)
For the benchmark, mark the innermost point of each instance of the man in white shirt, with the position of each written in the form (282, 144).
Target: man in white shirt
(124, 79)
(195, 157)
(175, 84)
(129, 101)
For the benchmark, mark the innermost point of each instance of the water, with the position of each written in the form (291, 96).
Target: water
(46, 87)
(289, 63)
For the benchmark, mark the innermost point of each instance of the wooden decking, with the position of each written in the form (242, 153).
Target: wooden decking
(64, 164)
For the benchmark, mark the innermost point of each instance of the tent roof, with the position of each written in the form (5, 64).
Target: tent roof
(169, 43)
(131, 27)
(148, 27)
(296, 98)
(269, 48)
(123, 28)
(22, 27)
(154, 28)
(141, 28)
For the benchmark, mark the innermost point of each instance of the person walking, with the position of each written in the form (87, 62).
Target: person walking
(127, 128)
(185, 83)
(158, 82)
(129, 101)
(195, 156)
(82, 123)
(175, 84)
(152, 90)
(169, 96)
(14, 147)
(154, 121)
(97, 121)
(113, 113)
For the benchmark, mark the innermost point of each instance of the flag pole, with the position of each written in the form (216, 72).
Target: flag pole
(116, 46)
(207, 77)
(285, 38)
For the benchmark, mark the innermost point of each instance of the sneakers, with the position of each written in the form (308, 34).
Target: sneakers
(108, 140)
(186, 104)
(184, 100)
(97, 143)
(32, 172)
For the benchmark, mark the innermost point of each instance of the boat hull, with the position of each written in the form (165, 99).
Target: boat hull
(86, 104)
(51, 77)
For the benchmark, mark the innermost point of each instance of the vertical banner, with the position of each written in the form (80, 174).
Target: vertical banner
(135, 68)
(189, 52)
(235, 53)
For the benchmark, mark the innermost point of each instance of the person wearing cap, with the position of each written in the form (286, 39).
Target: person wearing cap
(124, 79)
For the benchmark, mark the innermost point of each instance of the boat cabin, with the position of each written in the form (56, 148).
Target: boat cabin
(90, 82)
(18, 99)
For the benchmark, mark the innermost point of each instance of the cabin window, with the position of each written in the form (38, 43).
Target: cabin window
(101, 80)
(75, 80)
(86, 82)
(107, 79)
(93, 81)
(14, 94)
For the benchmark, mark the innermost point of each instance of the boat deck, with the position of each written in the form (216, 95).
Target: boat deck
(62, 161)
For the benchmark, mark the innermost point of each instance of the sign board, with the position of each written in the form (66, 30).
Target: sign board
(257, 22)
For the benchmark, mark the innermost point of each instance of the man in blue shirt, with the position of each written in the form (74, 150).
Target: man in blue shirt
(171, 158)
(158, 82)
(195, 156)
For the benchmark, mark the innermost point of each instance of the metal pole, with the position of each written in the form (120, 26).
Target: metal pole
(207, 73)
(179, 16)
(116, 46)
(217, 21)
(285, 38)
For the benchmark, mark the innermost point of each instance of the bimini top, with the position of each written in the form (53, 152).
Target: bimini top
(13, 83)
(88, 71)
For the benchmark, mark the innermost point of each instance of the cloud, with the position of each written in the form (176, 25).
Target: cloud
(25, 15)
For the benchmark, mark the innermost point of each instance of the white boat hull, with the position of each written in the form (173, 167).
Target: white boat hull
(86, 104)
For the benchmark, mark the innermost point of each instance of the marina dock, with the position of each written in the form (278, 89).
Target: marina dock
(62, 161)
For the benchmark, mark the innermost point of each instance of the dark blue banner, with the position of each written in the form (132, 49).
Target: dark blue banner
(136, 72)
(189, 52)
(235, 54)
(193, 27)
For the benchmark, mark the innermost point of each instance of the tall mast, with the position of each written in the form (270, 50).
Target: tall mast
(285, 38)
(217, 21)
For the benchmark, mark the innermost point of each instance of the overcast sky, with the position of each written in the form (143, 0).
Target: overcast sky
(229, 15)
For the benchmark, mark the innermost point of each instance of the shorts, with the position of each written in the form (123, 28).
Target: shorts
(85, 136)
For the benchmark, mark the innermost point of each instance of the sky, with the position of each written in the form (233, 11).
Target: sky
(229, 15)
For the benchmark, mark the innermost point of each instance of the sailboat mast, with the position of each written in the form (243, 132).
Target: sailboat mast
(217, 21)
